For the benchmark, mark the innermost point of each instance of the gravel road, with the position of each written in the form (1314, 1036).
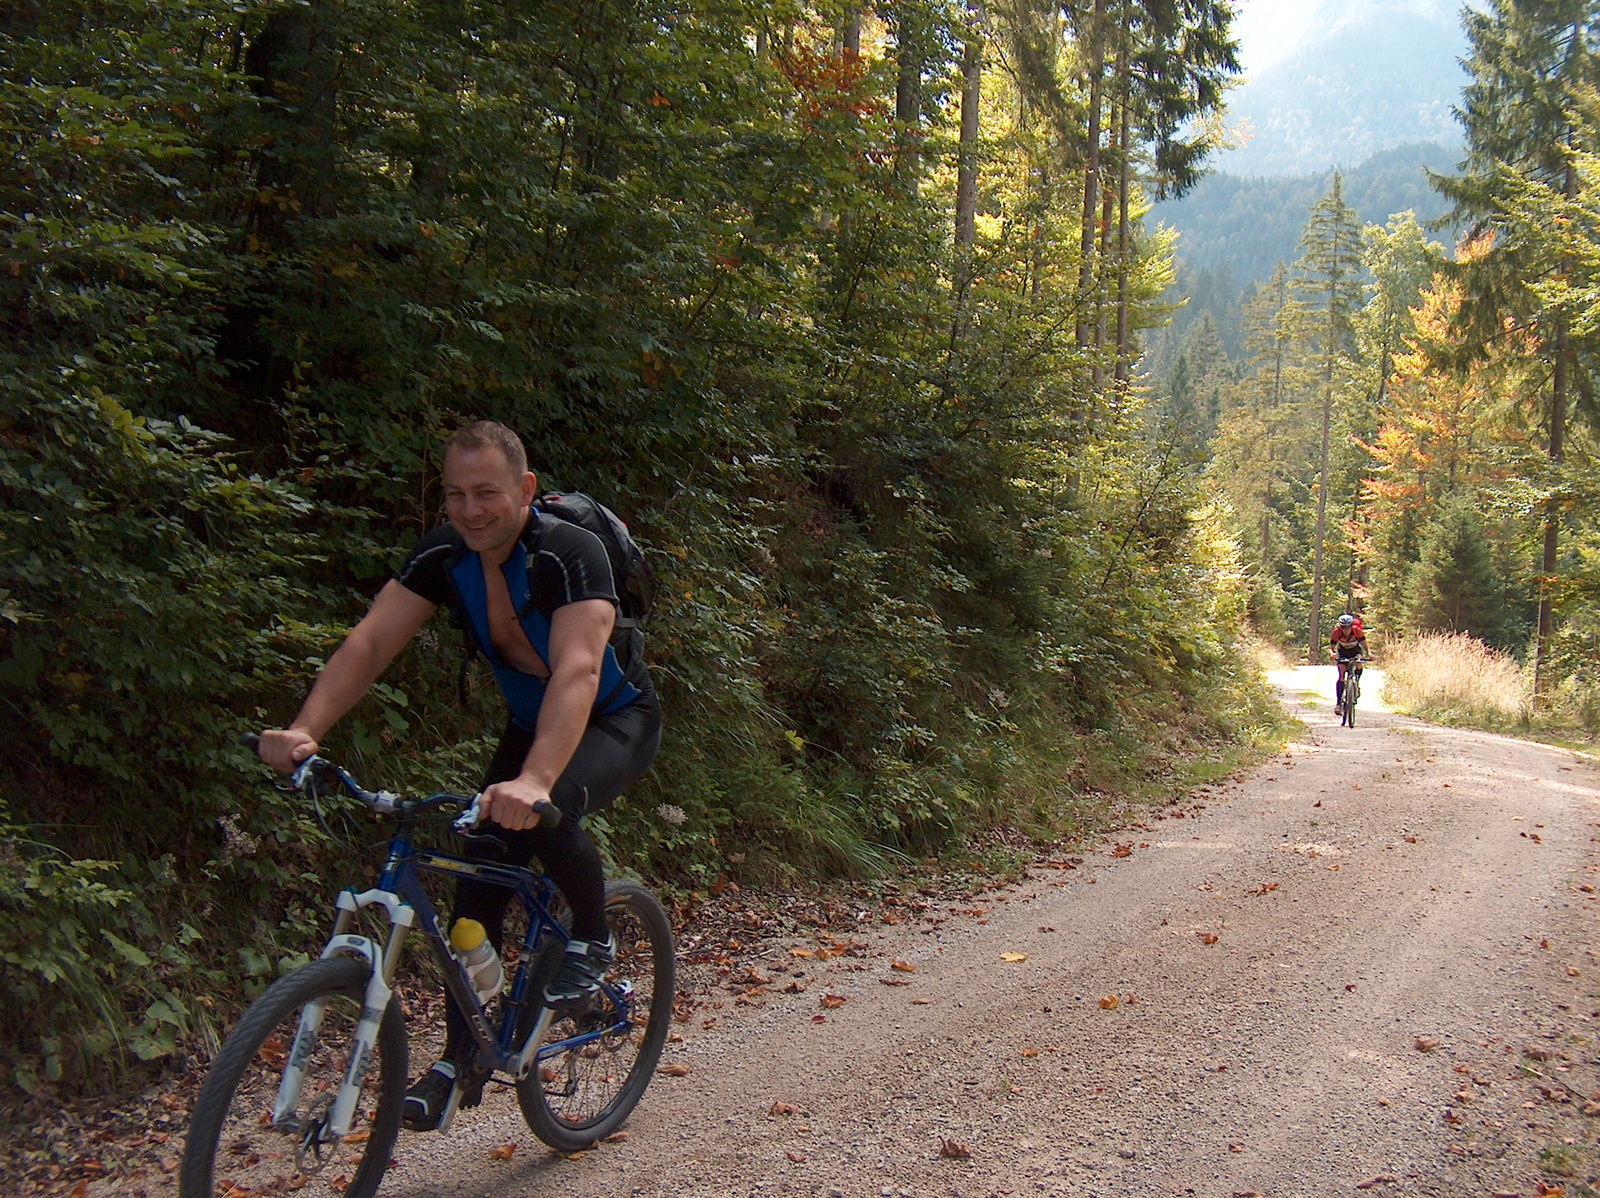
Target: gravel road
(1367, 965)
(1276, 959)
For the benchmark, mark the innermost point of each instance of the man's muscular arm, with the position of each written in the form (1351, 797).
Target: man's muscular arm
(579, 633)
(392, 620)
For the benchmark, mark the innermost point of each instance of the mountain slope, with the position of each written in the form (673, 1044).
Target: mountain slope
(1252, 223)
(1373, 81)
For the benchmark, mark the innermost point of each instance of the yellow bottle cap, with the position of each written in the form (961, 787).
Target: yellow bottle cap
(467, 935)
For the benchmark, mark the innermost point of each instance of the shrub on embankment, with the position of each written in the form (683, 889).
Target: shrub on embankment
(914, 584)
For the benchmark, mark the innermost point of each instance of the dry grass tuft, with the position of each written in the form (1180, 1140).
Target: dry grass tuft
(1454, 678)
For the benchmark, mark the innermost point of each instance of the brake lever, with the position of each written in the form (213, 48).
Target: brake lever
(470, 818)
(549, 816)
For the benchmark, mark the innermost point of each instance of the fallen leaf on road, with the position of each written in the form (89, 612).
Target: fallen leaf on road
(1109, 1003)
(1426, 1045)
(1264, 888)
(1030, 1052)
(1332, 869)
(272, 1052)
(1235, 1147)
(1122, 850)
(1383, 1102)
(1573, 971)
(797, 1157)
(920, 1002)
(832, 1001)
(1207, 937)
(801, 952)
(676, 1069)
(1043, 928)
(617, 1137)
(1013, 958)
(783, 1108)
(819, 1019)
(954, 1149)
(502, 1152)
(1379, 1179)
(80, 1190)
(895, 981)
(903, 966)
(1549, 1191)
(795, 987)
(358, 1137)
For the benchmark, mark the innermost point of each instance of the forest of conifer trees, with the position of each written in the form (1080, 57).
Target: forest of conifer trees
(1410, 431)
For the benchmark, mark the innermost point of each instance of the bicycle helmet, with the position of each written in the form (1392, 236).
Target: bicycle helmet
(1346, 620)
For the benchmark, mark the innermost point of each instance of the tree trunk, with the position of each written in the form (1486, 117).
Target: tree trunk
(967, 159)
(1123, 246)
(908, 98)
(852, 31)
(1552, 514)
(1322, 478)
(1091, 175)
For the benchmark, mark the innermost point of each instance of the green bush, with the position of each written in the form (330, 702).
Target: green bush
(262, 259)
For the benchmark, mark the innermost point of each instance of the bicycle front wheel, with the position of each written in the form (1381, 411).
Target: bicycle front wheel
(578, 1096)
(235, 1147)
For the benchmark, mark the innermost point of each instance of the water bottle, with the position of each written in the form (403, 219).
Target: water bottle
(477, 955)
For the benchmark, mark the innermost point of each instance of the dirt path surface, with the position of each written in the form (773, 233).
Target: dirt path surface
(1372, 959)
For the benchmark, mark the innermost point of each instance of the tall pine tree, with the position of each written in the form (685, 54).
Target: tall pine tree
(1328, 281)
(1530, 62)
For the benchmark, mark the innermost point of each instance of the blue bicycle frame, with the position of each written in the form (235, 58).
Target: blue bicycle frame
(399, 891)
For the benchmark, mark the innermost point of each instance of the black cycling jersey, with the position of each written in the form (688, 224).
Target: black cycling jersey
(561, 563)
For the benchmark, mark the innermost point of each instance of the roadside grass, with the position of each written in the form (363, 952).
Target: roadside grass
(1458, 681)
(1453, 678)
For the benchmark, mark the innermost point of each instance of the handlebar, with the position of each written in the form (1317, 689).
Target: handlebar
(314, 768)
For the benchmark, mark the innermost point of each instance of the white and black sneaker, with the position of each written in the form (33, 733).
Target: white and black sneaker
(427, 1098)
(583, 967)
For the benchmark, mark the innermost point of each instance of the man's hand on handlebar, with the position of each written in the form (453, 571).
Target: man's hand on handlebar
(285, 748)
(511, 804)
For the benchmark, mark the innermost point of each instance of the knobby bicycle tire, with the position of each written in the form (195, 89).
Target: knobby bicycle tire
(552, 1095)
(254, 1053)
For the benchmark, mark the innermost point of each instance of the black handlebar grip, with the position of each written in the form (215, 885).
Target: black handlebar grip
(250, 740)
(549, 814)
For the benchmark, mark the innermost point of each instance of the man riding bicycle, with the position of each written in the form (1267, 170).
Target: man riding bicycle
(1349, 651)
(538, 596)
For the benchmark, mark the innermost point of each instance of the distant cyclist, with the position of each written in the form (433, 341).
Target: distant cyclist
(1349, 651)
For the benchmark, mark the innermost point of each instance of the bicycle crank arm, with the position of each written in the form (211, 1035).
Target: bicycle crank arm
(530, 1049)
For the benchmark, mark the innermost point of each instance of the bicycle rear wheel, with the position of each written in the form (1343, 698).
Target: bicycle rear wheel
(233, 1145)
(577, 1097)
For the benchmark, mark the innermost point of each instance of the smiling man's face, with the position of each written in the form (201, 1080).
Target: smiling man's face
(486, 501)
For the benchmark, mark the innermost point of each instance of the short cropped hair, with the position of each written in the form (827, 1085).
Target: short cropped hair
(481, 434)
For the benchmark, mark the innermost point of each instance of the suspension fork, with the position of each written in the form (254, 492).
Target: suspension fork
(380, 989)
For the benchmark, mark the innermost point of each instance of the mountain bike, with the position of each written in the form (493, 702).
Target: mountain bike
(1351, 692)
(312, 1078)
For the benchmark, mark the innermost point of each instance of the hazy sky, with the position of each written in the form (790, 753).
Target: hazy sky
(1271, 29)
